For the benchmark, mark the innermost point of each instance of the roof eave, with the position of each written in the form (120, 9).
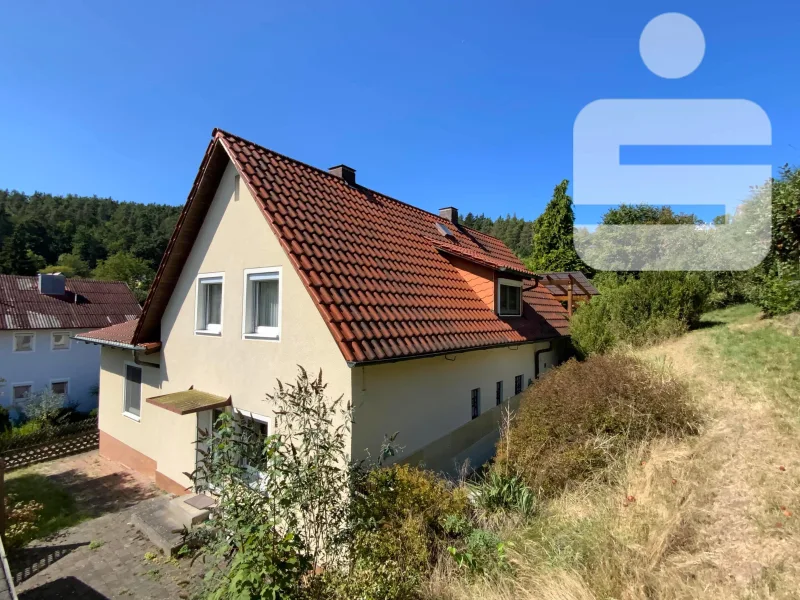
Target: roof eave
(366, 363)
(146, 348)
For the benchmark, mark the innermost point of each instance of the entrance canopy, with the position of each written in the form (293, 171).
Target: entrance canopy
(189, 401)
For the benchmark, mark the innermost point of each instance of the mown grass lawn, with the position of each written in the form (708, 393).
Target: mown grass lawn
(762, 353)
(59, 509)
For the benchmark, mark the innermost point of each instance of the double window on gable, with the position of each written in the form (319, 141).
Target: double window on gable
(261, 306)
(509, 298)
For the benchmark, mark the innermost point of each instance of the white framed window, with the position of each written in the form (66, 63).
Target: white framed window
(509, 298)
(132, 392)
(257, 430)
(60, 387)
(22, 391)
(208, 307)
(24, 341)
(262, 303)
(59, 340)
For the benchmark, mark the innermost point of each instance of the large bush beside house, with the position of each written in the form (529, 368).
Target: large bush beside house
(639, 309)
(576, 419)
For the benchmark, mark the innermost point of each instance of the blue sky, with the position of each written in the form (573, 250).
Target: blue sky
(433, 102)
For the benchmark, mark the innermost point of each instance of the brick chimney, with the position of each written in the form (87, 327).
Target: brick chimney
(344, 172)
(450, 213)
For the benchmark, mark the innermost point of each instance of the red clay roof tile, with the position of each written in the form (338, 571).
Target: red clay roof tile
(373, 265)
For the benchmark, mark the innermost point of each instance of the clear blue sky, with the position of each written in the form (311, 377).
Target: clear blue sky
(433, 102)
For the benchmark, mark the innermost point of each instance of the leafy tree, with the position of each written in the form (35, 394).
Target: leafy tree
(553, 249)
(124, 266)
(69, 265)
(15, 256)
(6, 226)
(645, 214)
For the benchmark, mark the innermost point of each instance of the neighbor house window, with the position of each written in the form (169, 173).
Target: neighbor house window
(22, 392)
(132, 401)
(59, 340)
(476, 403)
(24, 341)
(518, 384)
(509, 298)
(262, 310)
(498, 394)
(209, 303)
(60, 388)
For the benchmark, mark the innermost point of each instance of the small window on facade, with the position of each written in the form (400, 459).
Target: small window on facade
(24, 342)
(132, 402)
(476, 403)
(209, 304)
(22, 392)
(498, 395)
(263, 311)
(60, 388)
(509, 298)
(60, 340)
(518, 384)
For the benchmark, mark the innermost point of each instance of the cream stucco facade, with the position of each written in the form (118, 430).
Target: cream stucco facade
(424, 399)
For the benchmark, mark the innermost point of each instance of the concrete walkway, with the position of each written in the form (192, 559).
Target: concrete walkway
(104, 557)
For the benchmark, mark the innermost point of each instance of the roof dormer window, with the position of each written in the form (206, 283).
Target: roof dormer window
(509, 298)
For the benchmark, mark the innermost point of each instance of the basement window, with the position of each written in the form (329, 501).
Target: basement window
(509, 298)
(498, 396)
(262, 311)
(476, 403)
(518, 384)
(209, 304)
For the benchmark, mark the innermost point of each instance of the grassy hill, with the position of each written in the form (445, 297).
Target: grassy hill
(715, 515)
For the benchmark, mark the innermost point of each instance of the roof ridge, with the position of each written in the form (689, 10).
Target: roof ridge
(219, 130)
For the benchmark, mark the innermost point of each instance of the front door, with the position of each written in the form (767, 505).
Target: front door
(206, 423)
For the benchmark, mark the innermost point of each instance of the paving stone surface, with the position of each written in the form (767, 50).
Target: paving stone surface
(105, 556)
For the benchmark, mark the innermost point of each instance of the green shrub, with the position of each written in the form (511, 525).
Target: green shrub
(497, 491)
(778, 292)
(402, 516)
(5, 420)
(577, 418)
(639, 310)
(482, 552)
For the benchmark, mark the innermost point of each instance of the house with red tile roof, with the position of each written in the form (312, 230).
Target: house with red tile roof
(39, 317)
(426, 326)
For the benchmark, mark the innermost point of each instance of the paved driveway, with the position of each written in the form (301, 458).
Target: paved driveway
(104, 557)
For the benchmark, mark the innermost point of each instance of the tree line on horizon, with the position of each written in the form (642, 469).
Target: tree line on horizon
(82, 236)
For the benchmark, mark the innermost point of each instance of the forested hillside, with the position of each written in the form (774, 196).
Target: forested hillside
(83, 236)
(517, 233)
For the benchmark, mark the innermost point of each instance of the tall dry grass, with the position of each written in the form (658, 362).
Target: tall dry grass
(708, 516)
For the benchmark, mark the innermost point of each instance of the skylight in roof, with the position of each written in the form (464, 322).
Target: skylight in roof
(444, 230)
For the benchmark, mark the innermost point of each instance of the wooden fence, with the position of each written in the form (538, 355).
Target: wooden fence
(49, 443)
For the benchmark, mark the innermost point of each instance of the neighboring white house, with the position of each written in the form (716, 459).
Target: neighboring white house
(427, 327)
(38, 318)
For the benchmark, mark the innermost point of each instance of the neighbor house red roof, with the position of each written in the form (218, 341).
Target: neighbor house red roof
(86, 303)
(376, 268)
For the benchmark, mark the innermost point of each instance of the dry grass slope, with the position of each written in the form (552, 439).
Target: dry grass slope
(711, 516)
